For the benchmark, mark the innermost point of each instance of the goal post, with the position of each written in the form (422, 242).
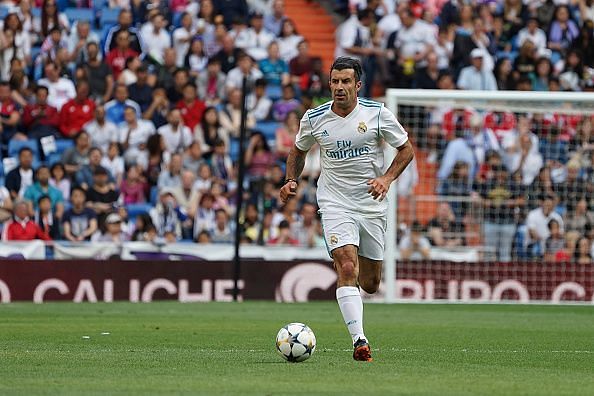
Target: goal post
(480, 269)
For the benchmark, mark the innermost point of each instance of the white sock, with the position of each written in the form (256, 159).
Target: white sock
(351, 307)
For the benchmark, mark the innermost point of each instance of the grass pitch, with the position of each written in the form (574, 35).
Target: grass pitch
(218, 348)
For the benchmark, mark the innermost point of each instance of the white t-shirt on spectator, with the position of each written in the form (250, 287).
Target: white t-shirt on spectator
(139, 135)
(235, 77)
(114, 166)
(287, 46)
(181, 48)
(59, 92)
(414, 39)
(254, 43)
(176, 140)
(4, 195)
(538, 222)
(539, 38)
(349, 33)
(388, 25)
(102, 135)
(155, 43)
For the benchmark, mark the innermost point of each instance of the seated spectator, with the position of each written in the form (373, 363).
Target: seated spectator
(204, 218)
(101, 131)
(124, 24)
(285, 135)
(210, 130)
(192, 158)
(475, 77)
(258, 157)
(185, 194)
(286, 104)
(78, 39)
(156, 38)
(245, 67)
(167, 217)
(21, 227)
(134, 134)
(284, 237)
(183, 36)
(457, 185)
(230, 116)
(75, 157)
(555, 242)
(141, 91)
(533, 33)
(228, 54)
(84, 176)
(158, 109)
(6, 205)
(457, 150)
(305, 228)
(196, 60)
(275, 70)
(583, 253)
(288, 40)
(114, 109)
(10, 115)
(113, 230)
(222, 232)
(191, 108)
(45, 218)
(77, 112)
(257, 38)
(114, 163)
(59, 180)
(165, 73)
(177, 136)
(301, 66)
(144, 230)
(211, 83)
(51, 46)
(258, 103)
(443, 230)
(79, 222)
(537, 225)
(181, 78)
(273, 21)
(172, 177)
(116, 57)
(220, 162)
(581, 218)
(60, 89)
(128, 75)
(525, 160)
(481, 139)
(562, 32)
(21, 177)
(98, 73)
(414, 244)
(101, 196)
(502, 123)
(426, 77)
(41, 187)
(39, 118)
(133, 189)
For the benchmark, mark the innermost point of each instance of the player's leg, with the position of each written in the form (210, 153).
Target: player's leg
(371, 252)
(370, 274)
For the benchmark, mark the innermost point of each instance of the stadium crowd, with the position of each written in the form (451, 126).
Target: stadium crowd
(120, 119)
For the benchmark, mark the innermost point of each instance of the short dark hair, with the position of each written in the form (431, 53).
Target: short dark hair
(41, 88)
(345, 62)
(22, 150)
(78, 188)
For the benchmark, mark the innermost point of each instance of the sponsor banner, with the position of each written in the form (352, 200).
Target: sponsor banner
(285, 281)
(29, 250)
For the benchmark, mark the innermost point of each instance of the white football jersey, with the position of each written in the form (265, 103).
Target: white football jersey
(350, 153)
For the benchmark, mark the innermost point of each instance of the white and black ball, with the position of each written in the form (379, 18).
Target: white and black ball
(295, 342)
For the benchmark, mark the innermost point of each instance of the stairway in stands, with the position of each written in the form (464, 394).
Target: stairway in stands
(316, 25)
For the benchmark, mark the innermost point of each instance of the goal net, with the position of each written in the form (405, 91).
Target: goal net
(498, 204)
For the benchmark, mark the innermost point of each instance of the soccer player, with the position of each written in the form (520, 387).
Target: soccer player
(351, 187)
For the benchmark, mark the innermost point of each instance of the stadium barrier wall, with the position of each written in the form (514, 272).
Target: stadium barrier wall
(286, 281)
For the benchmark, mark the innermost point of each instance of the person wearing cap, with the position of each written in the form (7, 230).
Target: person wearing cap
(113, 230)
(475, 77)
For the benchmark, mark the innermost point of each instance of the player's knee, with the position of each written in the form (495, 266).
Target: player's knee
(347, 271)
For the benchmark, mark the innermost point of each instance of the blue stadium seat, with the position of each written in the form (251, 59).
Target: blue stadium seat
(234, 149)
(53, 158)
(63, 145)
(3, 12)
(154, 195)
(36, 12)
(268, 128)
(109, 16)
(274, 92)
(136, 209)
(80, 14)
(14, 146)
(177, 19)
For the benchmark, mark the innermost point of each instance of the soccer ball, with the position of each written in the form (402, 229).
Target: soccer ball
(295, 342)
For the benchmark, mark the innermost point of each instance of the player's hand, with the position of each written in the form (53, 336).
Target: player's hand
(378, 187)
(288, 191)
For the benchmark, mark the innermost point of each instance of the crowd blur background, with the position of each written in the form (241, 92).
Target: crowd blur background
(120, 120)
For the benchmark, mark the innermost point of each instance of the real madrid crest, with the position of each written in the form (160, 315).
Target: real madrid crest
(333, 239)
(362, 128)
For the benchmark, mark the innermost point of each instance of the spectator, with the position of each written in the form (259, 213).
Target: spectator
(222, 232)
(77, 112)
(156, 38)
(39, 118)
(6, 206)
(426, 77)
(133, 137)
(285, 135)
(220, 162)
(78, 40)
(415, 245)
(128, 75)
(177, 136)
(227, 55)
(41, 187)
(273, 21)
(155, 146)
(114, 163)
(285, 104)
(167, 217)
(191, 107)
(537, 225)
(533, 33)
(257, 39)
(211, 83)
(114, 109)
(158, 109)
(98, 73)
(183, 36)
(21, 177)
(84, 176)
(230, 116)
(17, 43)
(482, 139)
(46, 219)
(457, 185)
(506, 80)
(555, 242)
(133, 189)
(21, 227)
(231, 10)
(245, 67)
(50, 18)
(140, 91)
(124, 24)
(209, 130)
(475, 77)
(75, 157)
(582, 253)
(172, 177)
(300, 67)
(443, 230)
(175, 92)
(59, 180)
(258, 102)
(525, 63)
(60, 89)
(196, 60)
(101, 131)
(258, 157)
(10, 115)
(581, 218)
(275, 70)
(285, 237)
(305, 228)
(457, 150)
(185, 194)
(192, 158)
(101, 196)
(562, 32)
(113, 230)
(166, 71)
(116, 57)
(525, 159)
(144, 230)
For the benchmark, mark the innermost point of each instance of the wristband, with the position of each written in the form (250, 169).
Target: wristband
(291, 180)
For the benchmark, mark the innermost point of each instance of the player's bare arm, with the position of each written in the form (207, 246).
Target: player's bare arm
(378, 187)
(295, 164)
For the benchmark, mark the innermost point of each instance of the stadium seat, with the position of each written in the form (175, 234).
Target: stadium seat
(136, 209)
(62, 4)
(274, 92)
(109, 16)
(63, 145)
(36, 12)
(80, 14)
(177, 19)
(14, 146)
(53, 158)
(234, 149)
(3, 12)
(268, 128)
(154, 195)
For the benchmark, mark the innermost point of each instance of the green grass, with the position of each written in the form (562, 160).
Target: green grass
(218, 348)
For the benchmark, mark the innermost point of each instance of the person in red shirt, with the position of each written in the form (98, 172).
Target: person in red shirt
(77, 112)
(9, 114)
(116, 58)
(191, 107)
(500, 122)
(39, 118)
(21, 227)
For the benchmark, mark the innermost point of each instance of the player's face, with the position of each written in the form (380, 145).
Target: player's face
(344, 87)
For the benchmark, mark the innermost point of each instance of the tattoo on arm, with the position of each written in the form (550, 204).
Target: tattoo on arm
(295, 163)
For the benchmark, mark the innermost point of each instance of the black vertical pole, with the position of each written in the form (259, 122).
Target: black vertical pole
(240, 177)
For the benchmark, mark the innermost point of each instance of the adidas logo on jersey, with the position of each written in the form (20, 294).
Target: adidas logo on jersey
(325, 133)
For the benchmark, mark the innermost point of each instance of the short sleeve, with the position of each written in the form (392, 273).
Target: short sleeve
(305, 140)
(390, 129)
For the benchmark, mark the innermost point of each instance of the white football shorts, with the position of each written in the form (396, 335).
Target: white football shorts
(341, 229)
